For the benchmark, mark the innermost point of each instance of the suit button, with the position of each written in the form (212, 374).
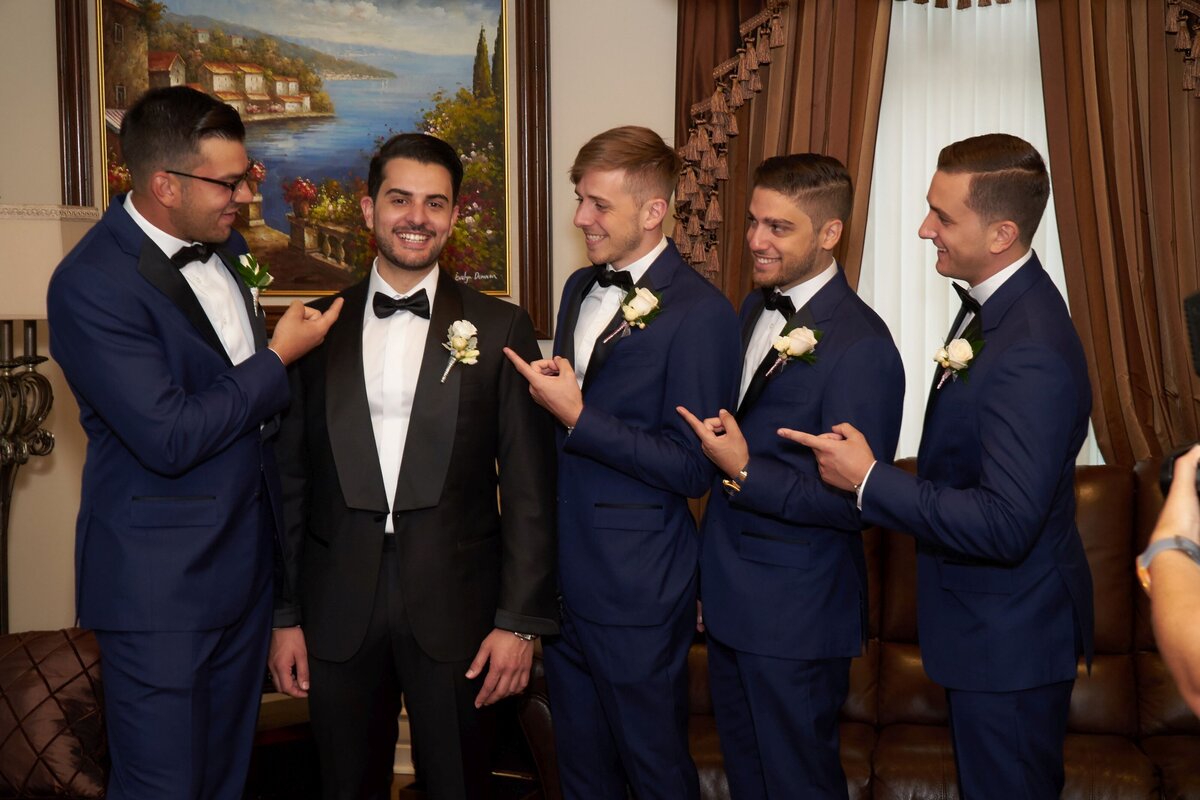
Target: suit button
(396, 515)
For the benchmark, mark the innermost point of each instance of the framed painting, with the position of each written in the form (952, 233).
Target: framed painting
(320, 85)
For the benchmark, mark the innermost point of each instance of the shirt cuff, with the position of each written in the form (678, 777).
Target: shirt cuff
(858, 490)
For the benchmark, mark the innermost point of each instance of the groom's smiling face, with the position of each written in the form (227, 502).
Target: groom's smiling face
(413, 213)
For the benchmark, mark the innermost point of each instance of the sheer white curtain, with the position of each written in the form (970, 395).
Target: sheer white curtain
(950, 74)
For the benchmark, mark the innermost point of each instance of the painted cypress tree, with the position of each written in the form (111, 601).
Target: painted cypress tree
(498, 60)
(482, 83)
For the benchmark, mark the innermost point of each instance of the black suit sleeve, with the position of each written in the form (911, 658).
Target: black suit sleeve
(526, 463)
(292, 455)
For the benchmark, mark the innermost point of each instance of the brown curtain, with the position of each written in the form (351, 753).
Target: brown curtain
(821, 93)
(1125, 161)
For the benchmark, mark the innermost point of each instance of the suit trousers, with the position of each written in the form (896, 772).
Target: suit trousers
(1009, 745)
(181, 706)
(619, 696)
(354, 706)
(778, 723)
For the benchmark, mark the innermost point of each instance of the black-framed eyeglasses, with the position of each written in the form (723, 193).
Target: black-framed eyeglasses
(232, 186)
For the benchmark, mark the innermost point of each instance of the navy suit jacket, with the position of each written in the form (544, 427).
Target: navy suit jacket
(627, 539)
(782, 571)
(180, 494)
(1004, 589)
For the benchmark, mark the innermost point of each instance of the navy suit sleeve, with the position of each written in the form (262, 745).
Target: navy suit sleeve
(866, 389)
(1027, 421)
(109, 345)
(670, 458)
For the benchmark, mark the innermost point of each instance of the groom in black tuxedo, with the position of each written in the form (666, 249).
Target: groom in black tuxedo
(401, 579)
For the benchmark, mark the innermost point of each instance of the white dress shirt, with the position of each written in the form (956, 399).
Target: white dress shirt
(214, 286)
(392, 354)
(770, 324)
(599, 307)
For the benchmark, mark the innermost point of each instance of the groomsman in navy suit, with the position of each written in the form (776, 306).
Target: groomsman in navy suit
(1004, 589)
(166, 353)
(782, 570)
(638, 334)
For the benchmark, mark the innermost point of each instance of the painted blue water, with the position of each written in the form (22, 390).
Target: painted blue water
(341, 146)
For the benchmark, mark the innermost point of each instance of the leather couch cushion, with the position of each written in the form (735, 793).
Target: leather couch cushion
(52, 741)
(1104, 515)
(857, 743)
(862, 701)
(906, 695)
(913, 762)
(1176, 757)
(1105, 701)
(1107, 768)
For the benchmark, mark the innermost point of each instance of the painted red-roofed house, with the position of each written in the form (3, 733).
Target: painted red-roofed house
(218, 76)
(235, 99)
(166, 68)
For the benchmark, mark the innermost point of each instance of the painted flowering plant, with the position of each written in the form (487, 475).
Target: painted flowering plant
(299, 189)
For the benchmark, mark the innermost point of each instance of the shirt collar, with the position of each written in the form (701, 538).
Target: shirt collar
(170, 245)
(985, 289)
(638, 268)
(802, 292)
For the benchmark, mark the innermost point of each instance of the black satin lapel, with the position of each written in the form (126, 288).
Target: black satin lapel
(155, 267)
(347, 414)
(258, 325)
(566, 345)
(434, 419)
(758, 383)
(803, 318)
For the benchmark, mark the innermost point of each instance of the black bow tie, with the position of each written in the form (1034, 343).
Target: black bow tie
(609, 277)
(385, 306)
(970, 303)
(778, 301)
(193, 252)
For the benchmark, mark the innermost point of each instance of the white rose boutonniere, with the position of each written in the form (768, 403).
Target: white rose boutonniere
(956, 357)
(255, 274)
(463, 344)
(797, 343)
(639, 308)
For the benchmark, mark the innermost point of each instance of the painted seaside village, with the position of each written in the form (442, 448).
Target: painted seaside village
(307, 225)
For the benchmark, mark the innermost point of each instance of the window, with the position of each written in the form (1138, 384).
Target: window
(118, 33)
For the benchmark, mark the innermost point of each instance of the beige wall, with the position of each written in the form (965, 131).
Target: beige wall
(593, 87)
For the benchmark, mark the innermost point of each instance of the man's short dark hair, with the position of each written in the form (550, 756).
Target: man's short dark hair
(818, 184)
(419, 147)
(164, 129)
(1008, 179)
